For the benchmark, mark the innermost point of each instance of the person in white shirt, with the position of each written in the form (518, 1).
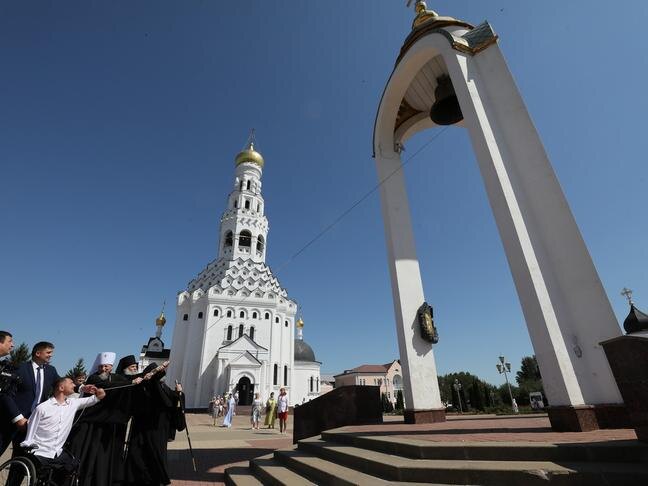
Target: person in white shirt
(50, 423)
(282, 408)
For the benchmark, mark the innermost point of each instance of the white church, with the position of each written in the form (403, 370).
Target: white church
(235, 325)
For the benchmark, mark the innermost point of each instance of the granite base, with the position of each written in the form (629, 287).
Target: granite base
(424, 416)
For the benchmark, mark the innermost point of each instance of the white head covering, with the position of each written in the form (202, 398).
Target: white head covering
(107, 357)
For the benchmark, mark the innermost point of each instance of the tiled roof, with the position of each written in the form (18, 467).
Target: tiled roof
(367, 368)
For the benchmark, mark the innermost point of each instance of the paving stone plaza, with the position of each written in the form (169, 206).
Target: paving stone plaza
(217, 449)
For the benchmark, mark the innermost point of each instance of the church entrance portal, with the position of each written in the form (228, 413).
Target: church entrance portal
(246, 391)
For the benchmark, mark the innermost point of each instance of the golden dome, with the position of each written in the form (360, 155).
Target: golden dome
(249, 155)
(433, 19)
(300, 323)
(161, 320)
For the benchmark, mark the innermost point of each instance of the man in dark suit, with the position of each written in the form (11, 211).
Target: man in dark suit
(36, 379)
(6, 428)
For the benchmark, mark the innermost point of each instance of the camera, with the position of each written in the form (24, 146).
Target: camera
(8, 379)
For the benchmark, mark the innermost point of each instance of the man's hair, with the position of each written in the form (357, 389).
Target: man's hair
(79, 373)
(56, 384)
(40, 346)
(3, 336)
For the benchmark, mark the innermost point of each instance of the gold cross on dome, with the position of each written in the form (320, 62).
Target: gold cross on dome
(627, 293)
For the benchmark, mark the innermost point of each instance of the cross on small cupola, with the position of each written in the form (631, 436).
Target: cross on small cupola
(627, 293)
(636, 321)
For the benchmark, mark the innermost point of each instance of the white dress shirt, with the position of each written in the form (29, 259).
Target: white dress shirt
(50, 424)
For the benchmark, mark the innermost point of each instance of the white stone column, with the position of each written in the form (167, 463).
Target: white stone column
(565, 306)
(417, 357)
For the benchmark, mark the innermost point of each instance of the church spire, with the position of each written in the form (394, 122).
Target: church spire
(249, 154)
(244, 227)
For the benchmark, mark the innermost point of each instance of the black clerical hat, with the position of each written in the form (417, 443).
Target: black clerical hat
(125, 362)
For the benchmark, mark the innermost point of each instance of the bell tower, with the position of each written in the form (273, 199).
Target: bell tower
(244, 227)
(449, 72)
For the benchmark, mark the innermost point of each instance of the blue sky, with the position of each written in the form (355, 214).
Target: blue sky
(119, 122)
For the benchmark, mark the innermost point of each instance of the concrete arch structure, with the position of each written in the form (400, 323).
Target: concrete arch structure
(565, 306)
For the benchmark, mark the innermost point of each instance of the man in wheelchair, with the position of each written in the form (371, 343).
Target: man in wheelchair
(50, 425)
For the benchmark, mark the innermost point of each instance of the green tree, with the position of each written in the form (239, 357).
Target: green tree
(504, 396)
(528, 380)
(19, 355)
(529, 370)
(400, 405)
(386, 403)
(78, 368)
(476, 394)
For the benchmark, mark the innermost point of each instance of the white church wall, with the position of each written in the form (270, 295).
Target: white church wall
(303, 372)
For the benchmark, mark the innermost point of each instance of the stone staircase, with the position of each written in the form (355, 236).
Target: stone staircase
(342, 458)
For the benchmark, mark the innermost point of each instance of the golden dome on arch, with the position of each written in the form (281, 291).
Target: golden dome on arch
(249, 155)
(161, 320)
(300, 323)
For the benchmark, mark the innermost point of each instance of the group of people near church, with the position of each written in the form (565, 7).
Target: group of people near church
(77, 425)
(225, 406)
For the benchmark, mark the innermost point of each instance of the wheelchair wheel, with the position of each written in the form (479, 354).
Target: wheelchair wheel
(18, 471)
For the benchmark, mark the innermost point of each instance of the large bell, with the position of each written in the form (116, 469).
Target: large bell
(445, 110)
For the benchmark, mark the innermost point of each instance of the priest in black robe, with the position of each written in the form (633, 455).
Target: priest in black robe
(98, 437)
(158, 414)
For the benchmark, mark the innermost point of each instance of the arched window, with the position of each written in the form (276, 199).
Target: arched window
(286, 323)
(248, 185)
(275, 375)
(215, 312)
(311, 384)
(200, 315)
(285, 375)
(228, 238)
(240, 330)
(245, 239)
(247, 204)
(242, 314)
(242, 182)
(277, 320)
(252, 333)
(185, 317)
(229, 313)
(235, 203)
(260, 243)
(254, 315)
(229, 333)
(267, 315)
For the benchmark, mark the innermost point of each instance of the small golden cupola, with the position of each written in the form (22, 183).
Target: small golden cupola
(248, 154)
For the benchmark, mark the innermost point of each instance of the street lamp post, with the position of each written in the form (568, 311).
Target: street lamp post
(503, 367)
(457, 387)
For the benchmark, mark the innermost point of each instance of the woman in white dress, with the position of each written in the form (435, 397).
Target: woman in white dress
(227, 422)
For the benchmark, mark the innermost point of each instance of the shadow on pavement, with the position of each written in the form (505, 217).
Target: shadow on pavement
(210, 462)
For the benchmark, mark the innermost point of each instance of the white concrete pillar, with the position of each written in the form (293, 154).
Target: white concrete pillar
(564, 303)
(417, 357)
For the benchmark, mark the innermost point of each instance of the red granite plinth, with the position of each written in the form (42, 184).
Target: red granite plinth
(583, 418)
(628, 358)
(424, 416)
(578, 418)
